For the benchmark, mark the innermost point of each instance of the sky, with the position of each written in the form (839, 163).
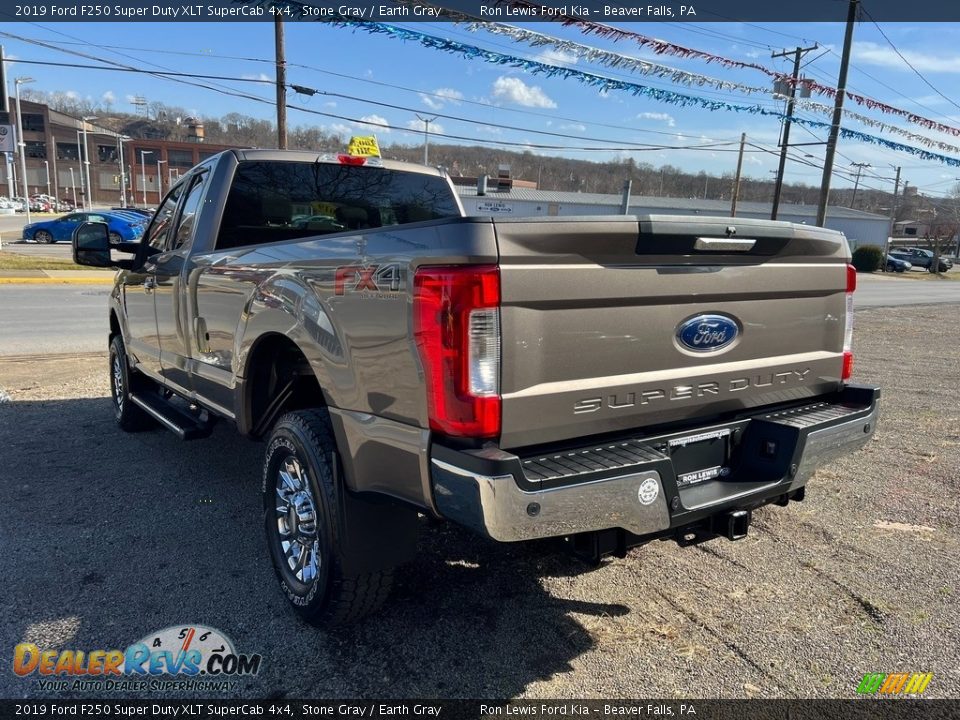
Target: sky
(430, 82)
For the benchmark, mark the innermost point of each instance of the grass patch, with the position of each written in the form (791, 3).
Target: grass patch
(15, 261)
(951, 274)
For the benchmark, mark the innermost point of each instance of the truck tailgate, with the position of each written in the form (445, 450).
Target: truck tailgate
(601, 320)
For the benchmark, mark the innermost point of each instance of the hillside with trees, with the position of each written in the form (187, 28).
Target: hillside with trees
(168, 122)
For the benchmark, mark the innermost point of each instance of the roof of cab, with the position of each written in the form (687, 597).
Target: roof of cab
(312, 156)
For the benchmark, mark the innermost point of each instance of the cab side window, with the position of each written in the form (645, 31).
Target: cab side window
(183, 236)
(160, 225)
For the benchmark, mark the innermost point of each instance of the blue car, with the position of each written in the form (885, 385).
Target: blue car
(124, 226)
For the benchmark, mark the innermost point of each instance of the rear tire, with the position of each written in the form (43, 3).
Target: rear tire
(305, 535)
(124, 380)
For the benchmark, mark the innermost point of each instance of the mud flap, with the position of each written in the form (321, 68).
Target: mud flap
(378, 533)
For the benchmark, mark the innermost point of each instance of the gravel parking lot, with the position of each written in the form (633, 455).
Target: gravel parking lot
(107, 537)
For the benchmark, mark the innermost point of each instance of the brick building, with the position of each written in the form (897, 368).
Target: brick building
(54, 146)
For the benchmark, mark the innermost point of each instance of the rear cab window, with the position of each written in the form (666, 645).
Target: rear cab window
(271, 201)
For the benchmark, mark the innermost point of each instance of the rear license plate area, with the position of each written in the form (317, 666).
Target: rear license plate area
(700, 458)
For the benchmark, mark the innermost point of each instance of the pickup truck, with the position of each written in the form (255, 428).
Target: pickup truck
(606, 381)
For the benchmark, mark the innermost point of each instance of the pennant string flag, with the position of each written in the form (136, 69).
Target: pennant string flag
(661, 47)
(606, 84)
(643, 67)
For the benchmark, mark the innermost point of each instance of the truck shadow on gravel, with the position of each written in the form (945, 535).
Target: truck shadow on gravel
(114, 536)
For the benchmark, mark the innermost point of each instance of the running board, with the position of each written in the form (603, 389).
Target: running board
(182, 424)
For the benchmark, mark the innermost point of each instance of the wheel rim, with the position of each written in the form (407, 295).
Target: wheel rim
(115, 238)
(117, 380)
(296, 517)
(43, 237)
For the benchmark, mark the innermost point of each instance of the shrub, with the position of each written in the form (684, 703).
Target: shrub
(868, 258)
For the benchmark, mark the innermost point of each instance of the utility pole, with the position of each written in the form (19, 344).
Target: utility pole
(856, 182)
(837, 114)
(893, 219)
(736, 181)
(426, 137)
(281, 83)
(798, 54)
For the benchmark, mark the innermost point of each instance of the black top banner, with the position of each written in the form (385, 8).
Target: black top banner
(614, 11)
(865, 709)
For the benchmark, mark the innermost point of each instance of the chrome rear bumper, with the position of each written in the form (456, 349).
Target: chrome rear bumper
(632, 484)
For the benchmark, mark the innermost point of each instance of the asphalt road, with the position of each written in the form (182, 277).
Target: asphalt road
(72, 318)
(43, 319)
(107, 537)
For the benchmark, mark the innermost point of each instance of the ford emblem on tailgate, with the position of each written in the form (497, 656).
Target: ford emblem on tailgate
(707, 333)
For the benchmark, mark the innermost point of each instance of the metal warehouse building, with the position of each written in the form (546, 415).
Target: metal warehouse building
(861, 228)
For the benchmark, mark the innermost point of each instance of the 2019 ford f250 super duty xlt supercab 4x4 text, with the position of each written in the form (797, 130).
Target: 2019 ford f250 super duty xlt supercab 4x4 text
(608, 380)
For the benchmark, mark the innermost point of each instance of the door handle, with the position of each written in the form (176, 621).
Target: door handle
(201, 334)
(149, 284)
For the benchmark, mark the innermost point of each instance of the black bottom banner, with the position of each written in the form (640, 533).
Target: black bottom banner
(860, 709)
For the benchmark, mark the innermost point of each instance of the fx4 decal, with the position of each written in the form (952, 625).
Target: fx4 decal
(367, 278)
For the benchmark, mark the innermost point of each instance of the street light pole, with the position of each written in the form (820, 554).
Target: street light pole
(159, 181)
(46, 166)
(23, 146)
(121, 139)
(426, 137)
(143, 173)
(893, 218)
(86, 160)
(81, 151)
(73, 187)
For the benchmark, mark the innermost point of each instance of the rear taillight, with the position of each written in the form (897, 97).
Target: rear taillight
(456, 312)
(848, 325)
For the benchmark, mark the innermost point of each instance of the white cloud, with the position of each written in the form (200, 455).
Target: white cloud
(375, 122)
(436, 100)
(341, 129)
(556, 57)
(109, 97)
(660, 116)
(72, 94)
(489, 129)
(885, 56)
(260, 76)
(515, 90)
(418, 124)
(578, 127)
(330, 104)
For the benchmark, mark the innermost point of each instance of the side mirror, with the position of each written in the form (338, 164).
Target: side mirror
(91, 246)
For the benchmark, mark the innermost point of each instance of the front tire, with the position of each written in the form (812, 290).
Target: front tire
(304, 529)
(43, 237)
(123, 380)
(115, 238)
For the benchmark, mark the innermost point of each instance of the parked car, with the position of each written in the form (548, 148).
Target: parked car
(148, 213)
(122, 227)
(921, 258)
(895, 264)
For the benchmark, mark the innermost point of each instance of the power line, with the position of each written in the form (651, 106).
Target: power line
(369, 81)
(907, 62)
(310, 91)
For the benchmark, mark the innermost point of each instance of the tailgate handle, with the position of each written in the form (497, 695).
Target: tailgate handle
(724, 244)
